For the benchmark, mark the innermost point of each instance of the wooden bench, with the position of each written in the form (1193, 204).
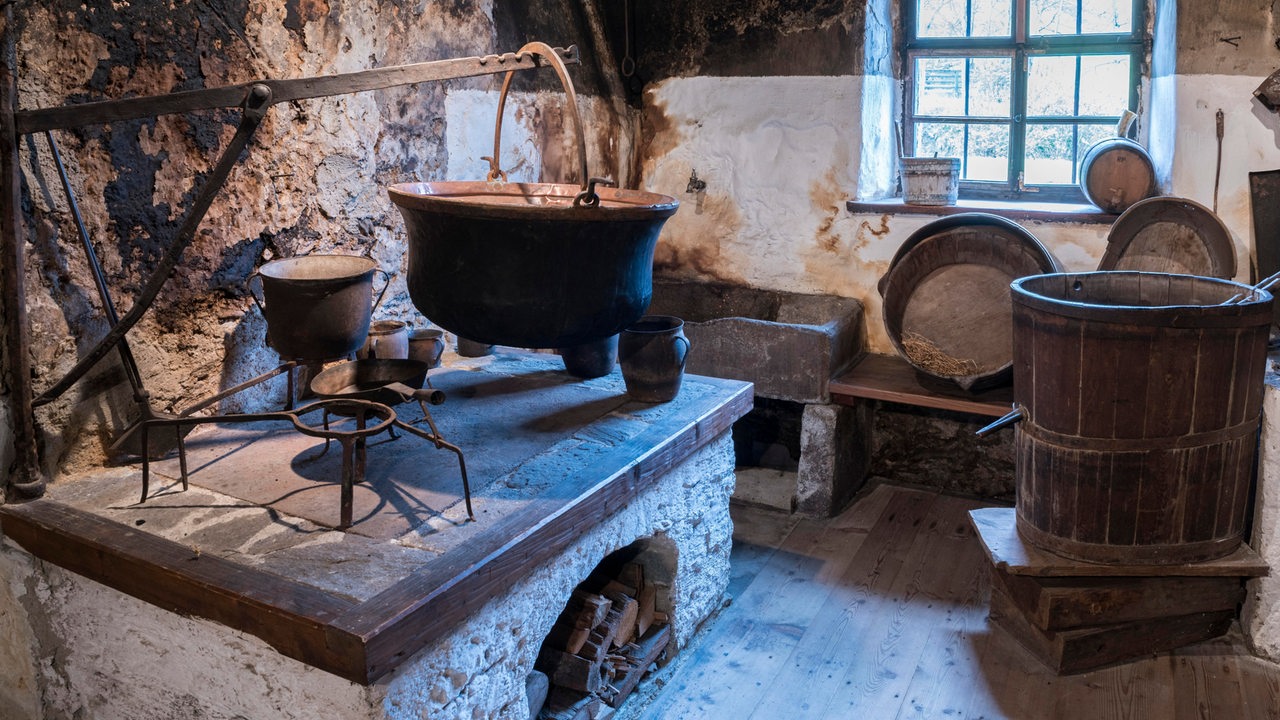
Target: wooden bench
(892, 379)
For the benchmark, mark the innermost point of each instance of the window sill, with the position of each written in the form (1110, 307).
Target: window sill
(1037, 211)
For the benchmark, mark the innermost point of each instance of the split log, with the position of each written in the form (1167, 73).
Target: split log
(628, 609)
(570, 671)
(647, 651)
(569, 705)
(644, 615)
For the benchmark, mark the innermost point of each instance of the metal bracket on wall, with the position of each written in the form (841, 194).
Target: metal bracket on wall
(255, 98)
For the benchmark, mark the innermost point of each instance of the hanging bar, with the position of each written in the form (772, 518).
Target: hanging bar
(71, 116)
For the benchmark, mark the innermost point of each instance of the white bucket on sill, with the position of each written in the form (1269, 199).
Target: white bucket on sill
(930, 181)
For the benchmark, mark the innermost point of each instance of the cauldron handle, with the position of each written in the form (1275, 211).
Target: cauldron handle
(548, 54)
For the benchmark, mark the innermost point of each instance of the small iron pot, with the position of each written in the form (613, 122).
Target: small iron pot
(317, 307)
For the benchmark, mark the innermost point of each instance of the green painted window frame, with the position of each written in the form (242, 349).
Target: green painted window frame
(1020, 46)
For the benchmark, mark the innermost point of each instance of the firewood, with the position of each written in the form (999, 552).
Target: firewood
(628, 608)
(609, 629)
(565, 704)
(585, 611)
(577, 638)
(593, 608)
(570, 671)
(595, 647)
(644, 615)
(615, 587)
(632, 574)
(648, 649)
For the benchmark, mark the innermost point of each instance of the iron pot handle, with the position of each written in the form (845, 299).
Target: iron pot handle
(386, 283)
(248, 285)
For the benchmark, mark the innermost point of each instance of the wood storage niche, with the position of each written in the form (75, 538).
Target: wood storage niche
(1141, 395)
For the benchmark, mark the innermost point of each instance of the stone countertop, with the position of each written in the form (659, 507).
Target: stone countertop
(251, 543)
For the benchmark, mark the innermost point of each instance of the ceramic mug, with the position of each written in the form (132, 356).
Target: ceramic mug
(652, 353)
(426, 345)
(388, 339)
(473, 348)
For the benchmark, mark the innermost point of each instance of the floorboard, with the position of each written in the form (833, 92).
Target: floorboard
(881, 613)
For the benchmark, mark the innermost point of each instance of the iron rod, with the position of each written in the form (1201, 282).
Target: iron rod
(255, 109)
(99, 281)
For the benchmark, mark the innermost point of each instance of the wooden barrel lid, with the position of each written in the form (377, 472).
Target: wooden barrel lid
(1115, 173)
(1171, 235)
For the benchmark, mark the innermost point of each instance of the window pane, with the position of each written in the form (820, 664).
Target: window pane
(939, 140)
(1090, 134)
(1050, 155)
(991, 18)
(1107, 16)
(989, 86)
(940, 86)
(1051, 85)
(1104, 84)
(988, 157)
(940, 18)
(1052, 17)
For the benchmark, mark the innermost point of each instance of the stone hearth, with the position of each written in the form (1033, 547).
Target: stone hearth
(240, 600)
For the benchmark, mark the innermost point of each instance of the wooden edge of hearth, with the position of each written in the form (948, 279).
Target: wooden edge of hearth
(1010, 552)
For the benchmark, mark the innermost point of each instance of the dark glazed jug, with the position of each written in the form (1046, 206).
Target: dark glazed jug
(652, 354)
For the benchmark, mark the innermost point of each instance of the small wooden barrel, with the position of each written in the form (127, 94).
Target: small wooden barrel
(1116, 173)
(1141, 397)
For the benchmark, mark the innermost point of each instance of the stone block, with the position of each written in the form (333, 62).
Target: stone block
(835, 452)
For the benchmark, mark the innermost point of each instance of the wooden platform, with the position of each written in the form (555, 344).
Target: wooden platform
(892, 379)
(363, 630)
(1077, 616)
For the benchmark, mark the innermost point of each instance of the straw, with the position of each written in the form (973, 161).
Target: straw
(927, 356)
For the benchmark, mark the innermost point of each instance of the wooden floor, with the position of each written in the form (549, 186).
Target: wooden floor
(881, 613)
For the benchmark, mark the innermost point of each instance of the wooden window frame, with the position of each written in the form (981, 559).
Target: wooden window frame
(1020, 46)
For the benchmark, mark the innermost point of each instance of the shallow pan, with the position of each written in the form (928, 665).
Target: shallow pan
(386, 381)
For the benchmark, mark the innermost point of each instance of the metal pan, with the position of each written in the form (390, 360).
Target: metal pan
(386, 381)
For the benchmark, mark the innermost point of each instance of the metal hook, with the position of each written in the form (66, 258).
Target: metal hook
(588, 197)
